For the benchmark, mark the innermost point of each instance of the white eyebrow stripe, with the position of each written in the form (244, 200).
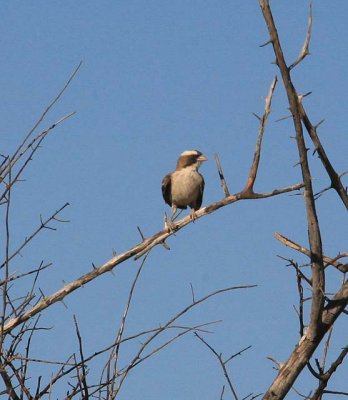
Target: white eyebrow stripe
(189, 153)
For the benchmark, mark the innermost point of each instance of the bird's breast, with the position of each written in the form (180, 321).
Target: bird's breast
(186, 186)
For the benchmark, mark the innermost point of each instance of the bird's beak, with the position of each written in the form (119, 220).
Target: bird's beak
(202, 158)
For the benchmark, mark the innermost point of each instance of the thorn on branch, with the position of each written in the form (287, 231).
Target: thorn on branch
(222, 392)
(238, 353)
(141, 233)
(49, 228)
(42, 293)
(266, 44)
(319, 123)
(278, 364)
(192, 292)
(306, 94)
(221, 175)
(283, 118)
(61, 220)
(165, 245)
(317, 363)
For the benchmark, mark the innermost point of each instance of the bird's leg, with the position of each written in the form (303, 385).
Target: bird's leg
(175, 213)
(193, 215)
(169, 224)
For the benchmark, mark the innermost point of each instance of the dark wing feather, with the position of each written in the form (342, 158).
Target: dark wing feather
(167, 189)
(198, 201)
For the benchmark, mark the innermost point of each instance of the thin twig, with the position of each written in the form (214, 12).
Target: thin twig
(14, 157)
(34, 271)
(125, 314)
(255, 165)
(305, 48)
(222, 364)
(324, 378)
(138, 358)
(82, 377)
(43, 224)
(31, 148)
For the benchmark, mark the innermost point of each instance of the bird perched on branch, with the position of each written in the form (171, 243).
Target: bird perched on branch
(184, 187)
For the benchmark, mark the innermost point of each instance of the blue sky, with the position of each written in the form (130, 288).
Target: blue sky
(157, 78)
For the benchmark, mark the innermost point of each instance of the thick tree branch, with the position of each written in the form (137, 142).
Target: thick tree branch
(306, 347)
(297, 361)
(136, 251)
(312, 220)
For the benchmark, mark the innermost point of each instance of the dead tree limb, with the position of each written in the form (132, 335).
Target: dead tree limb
(263, 120)
(314, 236)
(319, 317)
(330, 261)
(136, 251)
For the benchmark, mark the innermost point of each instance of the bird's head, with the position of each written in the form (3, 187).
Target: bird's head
(190, 158)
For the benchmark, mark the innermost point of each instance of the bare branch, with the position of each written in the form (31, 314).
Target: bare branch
(34, 271)
(335, 178)
(31, 148)
(324, 378)
(136, 251)
(14, 157)
(83, 376)
(284, 381)
(305, 48)
(4, 287)
(318, 277)
(222, 364)
(330, 261)
(125, 314)
(43, 224)
(255, 165)
(8, 384)
(138, 358)
(335, 392)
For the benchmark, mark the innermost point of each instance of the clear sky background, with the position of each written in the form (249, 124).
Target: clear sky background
(159, 77)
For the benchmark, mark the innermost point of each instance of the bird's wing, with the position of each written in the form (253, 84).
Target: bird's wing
(198, 201)
(167, 189)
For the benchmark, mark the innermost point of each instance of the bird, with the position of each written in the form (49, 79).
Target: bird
(184, 187)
